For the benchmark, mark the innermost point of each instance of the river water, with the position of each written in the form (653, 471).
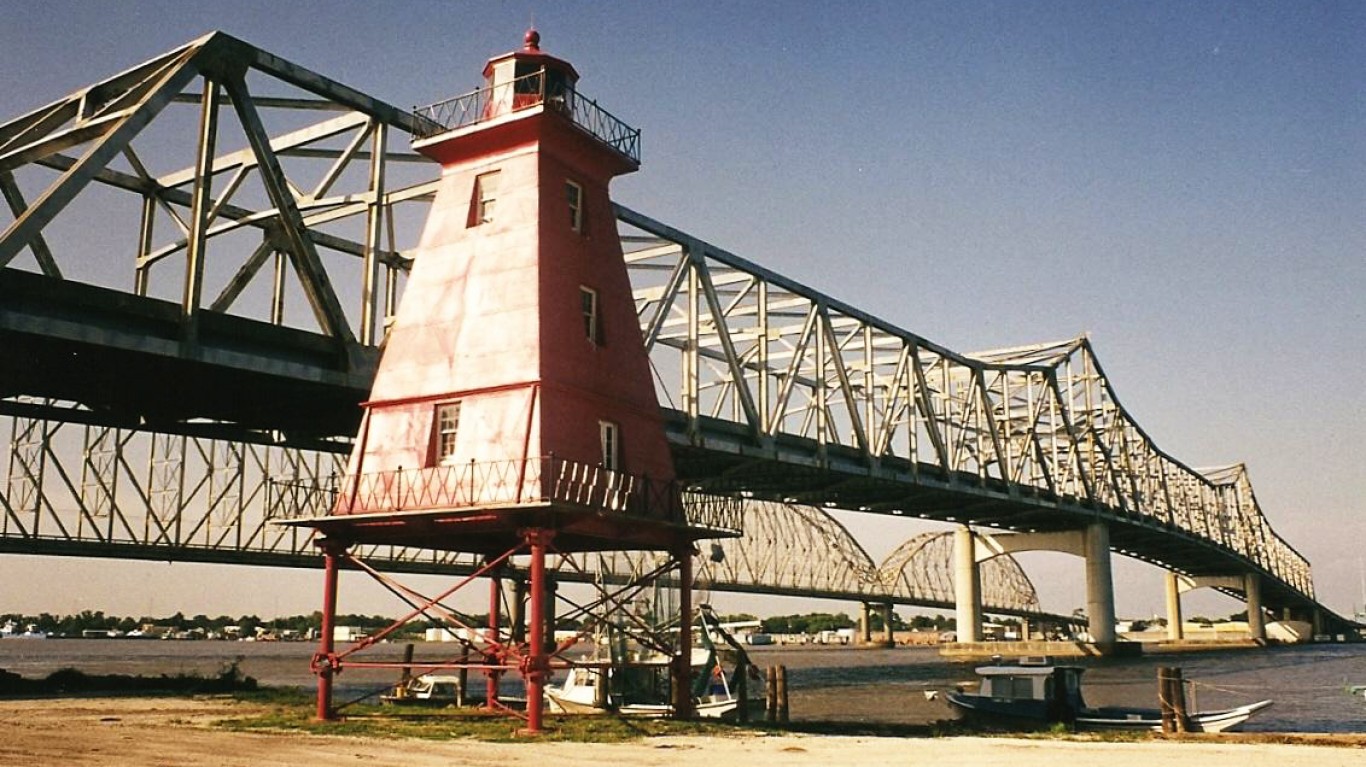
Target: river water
(1308, 683)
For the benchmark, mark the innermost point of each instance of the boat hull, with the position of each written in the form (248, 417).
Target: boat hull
(1015, 714)
(1151, 719)
(713, 709)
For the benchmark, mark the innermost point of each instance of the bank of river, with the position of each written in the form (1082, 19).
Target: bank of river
(1307, 683)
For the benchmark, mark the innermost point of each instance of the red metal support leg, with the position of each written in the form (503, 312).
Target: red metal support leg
(324, 661)
(682, 681)
(536, 663)
(494, 676)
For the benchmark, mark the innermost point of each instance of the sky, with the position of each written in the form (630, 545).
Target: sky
(1184, 182)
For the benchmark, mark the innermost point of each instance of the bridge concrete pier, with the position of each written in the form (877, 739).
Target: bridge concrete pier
(888, 634)
(967, 587)
(1100, 588)
(1176, 630)
(1256, 618)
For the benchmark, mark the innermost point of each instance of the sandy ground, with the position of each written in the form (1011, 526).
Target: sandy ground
(176, 732)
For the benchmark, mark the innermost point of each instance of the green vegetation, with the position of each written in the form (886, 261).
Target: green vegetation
(202, 626)
(69, 681)
(814, 623)
(294, 712)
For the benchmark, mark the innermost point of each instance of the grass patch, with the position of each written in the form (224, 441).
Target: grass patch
(70, 681)
(284, 712)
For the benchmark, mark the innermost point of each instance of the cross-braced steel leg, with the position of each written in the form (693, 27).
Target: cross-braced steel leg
(325, 662)
(535, 664)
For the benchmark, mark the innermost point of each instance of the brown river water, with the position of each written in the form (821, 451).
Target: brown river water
(1308, 683)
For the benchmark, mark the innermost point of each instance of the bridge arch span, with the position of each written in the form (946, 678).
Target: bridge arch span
(790, 549)
(921, 570)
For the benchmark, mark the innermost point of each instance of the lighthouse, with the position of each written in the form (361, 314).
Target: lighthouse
(516, 349)
(513, 414)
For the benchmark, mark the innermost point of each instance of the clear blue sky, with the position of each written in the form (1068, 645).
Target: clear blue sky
(1184, 181)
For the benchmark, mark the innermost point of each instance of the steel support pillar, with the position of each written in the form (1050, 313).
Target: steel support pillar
(324, 661)
(1176, 630)
(1100, 587)
(536, 663)
(1256, 619)
(552, 585)
(967, 587)
(681, 684)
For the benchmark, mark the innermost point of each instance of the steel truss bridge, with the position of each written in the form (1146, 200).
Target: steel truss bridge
(198, 260)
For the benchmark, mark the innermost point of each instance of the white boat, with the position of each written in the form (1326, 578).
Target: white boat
(1037, 694)
(426, 690)
(637, 683)
(11, 631)
(640, 689)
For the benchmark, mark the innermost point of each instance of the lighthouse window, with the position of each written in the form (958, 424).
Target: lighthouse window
(610, 436)
(485, 195)
(573, 194)
(588, 302)
(447, 425)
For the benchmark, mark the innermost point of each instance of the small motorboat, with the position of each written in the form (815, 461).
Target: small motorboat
(1035, 694)
(635, 682)
(426, 690)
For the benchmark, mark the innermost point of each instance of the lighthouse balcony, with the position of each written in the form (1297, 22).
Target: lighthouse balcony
(537, 91)
(535, 482)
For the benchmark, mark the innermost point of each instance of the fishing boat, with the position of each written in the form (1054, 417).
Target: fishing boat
(426, 690)
(635, 682)
(1034, 694)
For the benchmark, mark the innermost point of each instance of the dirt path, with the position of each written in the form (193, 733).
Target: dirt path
(174, 732)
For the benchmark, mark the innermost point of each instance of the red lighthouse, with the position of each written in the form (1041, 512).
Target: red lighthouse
(513, 413)
(517, 338)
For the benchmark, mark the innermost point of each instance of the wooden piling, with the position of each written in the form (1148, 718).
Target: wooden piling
(771, 694)
(1171, 698)
(742, 691)
(782, 694)
(1179, 701)
(463, 674)
(407, 673)
(1164, 699)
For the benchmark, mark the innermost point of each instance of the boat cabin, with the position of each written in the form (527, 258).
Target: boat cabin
(1030, 682)
(1039, 689)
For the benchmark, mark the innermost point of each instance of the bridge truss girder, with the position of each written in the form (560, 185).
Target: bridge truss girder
(228, 183)
(772, 373)
(88, 489)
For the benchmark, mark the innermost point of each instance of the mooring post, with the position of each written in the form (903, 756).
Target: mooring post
(1164, 700)
(782, 694)
(517, 608)
(771, 694)
(682, 668)
(742, 690)
(463, 674)
(1179, 701)
(406, 673)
